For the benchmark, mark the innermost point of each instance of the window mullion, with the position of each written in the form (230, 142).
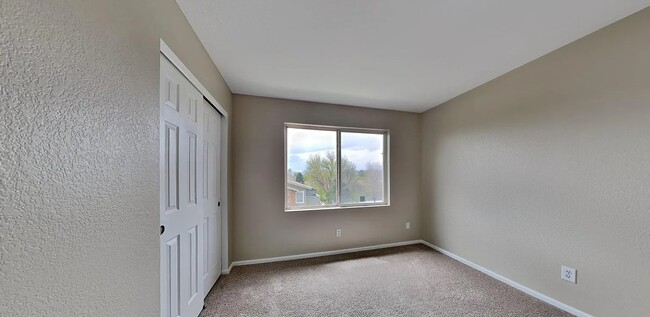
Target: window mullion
(386, 170)
(338, 167)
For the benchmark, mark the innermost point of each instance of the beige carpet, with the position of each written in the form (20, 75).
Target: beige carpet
(405, 281)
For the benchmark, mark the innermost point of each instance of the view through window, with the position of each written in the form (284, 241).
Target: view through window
(317, 157)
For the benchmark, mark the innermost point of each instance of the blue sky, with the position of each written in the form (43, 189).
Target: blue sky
(360, 148)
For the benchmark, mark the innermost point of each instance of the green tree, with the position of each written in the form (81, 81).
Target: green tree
(350, 181)
(299, 178)
(321, 174)
(373, 181)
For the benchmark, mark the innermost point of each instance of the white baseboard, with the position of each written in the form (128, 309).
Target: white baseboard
(510, 282)
(227, 271)
(471, 264)
(324, 253)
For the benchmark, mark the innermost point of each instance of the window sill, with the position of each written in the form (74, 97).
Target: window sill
(334, 208)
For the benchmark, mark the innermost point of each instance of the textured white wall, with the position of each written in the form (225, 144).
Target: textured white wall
(79, 153)
(550, 165)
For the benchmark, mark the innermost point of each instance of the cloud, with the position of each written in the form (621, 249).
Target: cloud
(360, 148)
(298, 161)
(305, 140)
(361, 157)
(366, 141)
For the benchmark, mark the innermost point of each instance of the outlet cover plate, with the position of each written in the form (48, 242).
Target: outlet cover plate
(568, 274)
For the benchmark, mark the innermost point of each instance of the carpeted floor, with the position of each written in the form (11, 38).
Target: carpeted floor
(404, 281)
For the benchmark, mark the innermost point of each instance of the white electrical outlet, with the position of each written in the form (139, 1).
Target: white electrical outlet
(569, 274)
(338, 232)
(408, 225)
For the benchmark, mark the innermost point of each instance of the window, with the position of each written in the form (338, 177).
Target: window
(300, 197)
(333, 167)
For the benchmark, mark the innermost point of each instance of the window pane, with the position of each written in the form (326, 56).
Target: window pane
(311, 168)
(300, 197)
(362, 168)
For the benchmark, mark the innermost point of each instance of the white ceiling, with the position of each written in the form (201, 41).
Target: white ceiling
(401, 55)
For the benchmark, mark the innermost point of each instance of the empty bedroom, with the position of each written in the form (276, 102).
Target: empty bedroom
(324, 158)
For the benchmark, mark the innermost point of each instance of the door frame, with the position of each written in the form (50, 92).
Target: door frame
(167, 52)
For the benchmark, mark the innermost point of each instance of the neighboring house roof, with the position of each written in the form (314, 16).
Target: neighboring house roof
(299, 185)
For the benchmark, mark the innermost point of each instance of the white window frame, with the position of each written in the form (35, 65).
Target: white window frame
(302, 194)
(339, 130)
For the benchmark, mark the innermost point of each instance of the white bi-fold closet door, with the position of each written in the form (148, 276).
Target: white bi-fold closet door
(190, 238)
(211, 224)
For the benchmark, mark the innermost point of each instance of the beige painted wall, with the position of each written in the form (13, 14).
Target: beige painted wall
(79, 152)
(262, 229)
(550, 165)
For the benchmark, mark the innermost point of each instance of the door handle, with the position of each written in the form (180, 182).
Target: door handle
(218, 204)
(162, 229)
